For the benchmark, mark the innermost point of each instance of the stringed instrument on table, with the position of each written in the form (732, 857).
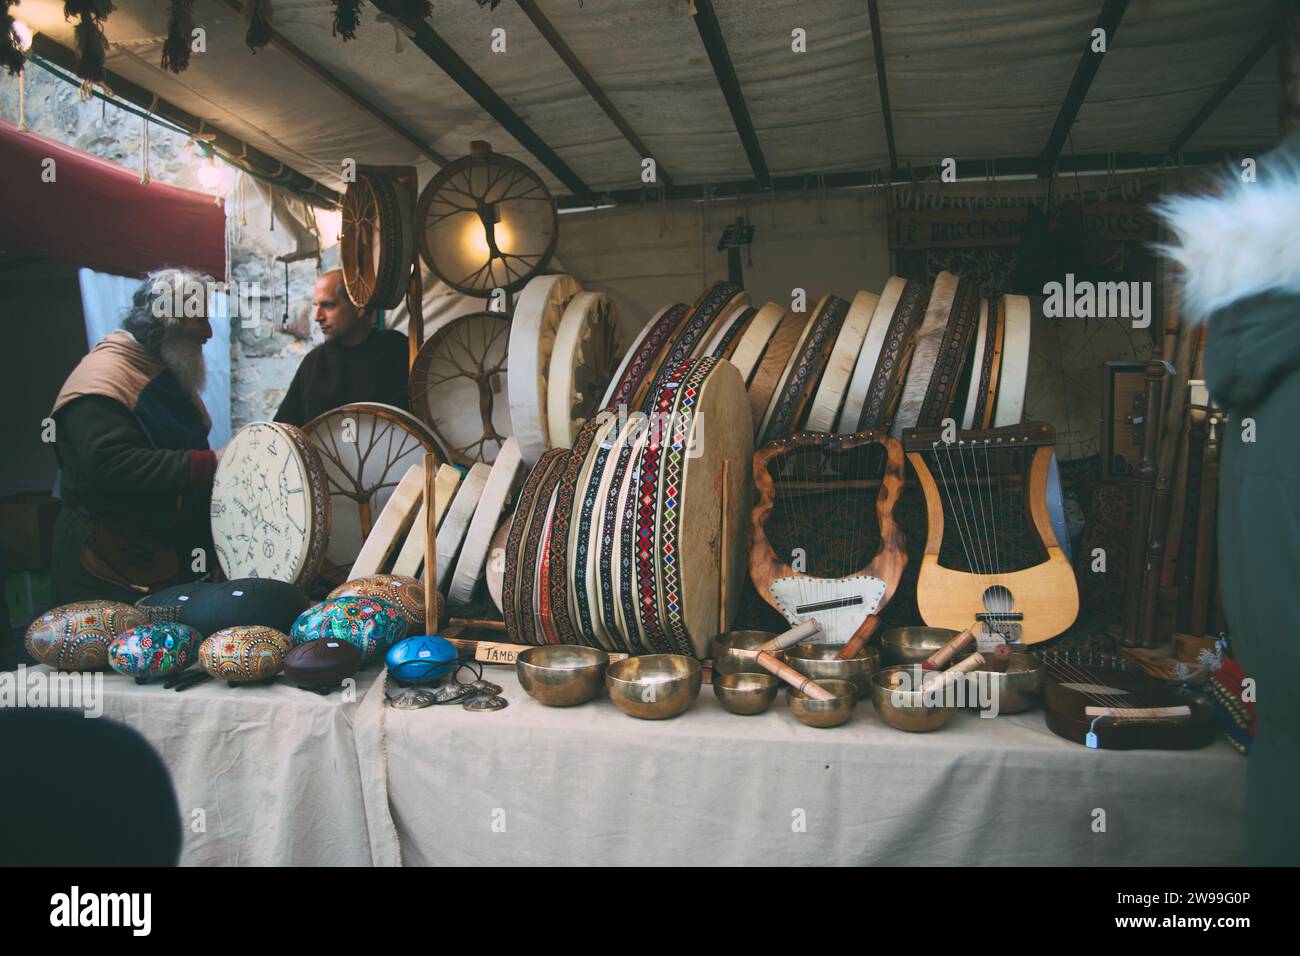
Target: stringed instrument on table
(991, 555)
(814, 510)
(1099, 702)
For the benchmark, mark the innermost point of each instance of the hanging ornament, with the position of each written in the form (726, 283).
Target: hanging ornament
(92, 45)
(11, 41)
(258, 16)
(180, 28)
(347, 17)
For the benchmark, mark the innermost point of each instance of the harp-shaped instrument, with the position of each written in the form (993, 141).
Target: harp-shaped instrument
(817, 483)
(991, 555)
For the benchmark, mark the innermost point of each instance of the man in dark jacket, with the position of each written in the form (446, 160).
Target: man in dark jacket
(1240, 254)
(355, 363)
(135, 470)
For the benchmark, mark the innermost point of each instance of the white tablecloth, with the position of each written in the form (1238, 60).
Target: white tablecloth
(273, 769)
(589, 785)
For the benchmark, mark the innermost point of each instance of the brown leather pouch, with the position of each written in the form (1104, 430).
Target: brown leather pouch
(128, 559)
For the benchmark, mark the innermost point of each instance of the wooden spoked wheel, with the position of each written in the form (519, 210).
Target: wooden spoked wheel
(486, 222)
(365, 449)
(376, 248)
(458, 386)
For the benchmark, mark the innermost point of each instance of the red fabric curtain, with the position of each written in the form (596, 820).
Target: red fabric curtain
(98, 214)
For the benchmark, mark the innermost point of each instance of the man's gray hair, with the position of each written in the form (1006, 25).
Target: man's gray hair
(159, 303)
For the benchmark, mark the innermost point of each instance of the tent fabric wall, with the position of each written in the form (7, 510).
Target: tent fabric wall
(97, 214)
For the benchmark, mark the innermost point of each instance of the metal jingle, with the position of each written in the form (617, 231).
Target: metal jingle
(413, 698)
(485, 687)
(484, 703)
(452, 692)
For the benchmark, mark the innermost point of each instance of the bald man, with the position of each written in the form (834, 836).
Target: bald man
(355, 363)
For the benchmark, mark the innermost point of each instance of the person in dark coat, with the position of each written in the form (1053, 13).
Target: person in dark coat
(1240, 255)
(131, 438)
(356, 363)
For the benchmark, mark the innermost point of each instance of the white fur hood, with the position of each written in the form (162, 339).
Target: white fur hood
(1242, 242)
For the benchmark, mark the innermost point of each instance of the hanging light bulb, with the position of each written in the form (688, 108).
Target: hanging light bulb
(208, 173)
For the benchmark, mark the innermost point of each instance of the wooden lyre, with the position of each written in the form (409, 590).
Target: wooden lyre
(976, 471)
(844, 606)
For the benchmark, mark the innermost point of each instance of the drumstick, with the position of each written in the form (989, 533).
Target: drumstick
(973, 663)
(800, 632)
(858, 642)
(805, 685)
(940, 658)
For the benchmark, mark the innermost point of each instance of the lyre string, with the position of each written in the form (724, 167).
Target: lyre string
(959, 514)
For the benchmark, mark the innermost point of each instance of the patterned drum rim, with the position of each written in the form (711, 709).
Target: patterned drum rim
(619, 466)
(1016, 339)
(981, 365)
(640, 354)
(723, 318)
(954, 353)
(649, 501)
(562, 544)
(507, 471)
(805, 370)
(753, 343)
(832, 390)
(543, 613)
(769, 373)
(690, 337)
(671, 500)
(624, 576)
(517, 612)
(894, 362)
(926, 347)
(305, 563)
(585, 547)
(323, 431)
(733, 328)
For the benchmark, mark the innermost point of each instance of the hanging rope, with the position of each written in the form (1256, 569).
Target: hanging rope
(22, 101)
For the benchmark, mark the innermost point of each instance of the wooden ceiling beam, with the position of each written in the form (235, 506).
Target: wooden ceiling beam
(706, 21)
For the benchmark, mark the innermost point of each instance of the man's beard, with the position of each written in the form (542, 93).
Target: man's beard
(184, 356)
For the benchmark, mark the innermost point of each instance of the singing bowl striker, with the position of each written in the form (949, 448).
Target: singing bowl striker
(656, 686)
(820, 662)
(824, 713)
(1019, 687)
(561, 675)
(907, 709)
(912, 645)
(744, 693)
(736, 652)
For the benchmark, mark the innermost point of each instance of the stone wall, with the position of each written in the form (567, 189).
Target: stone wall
(263, 358)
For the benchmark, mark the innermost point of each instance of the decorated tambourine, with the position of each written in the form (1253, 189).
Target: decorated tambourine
(154, 650)
(365, 449)
(376, 246)
(270, 505)
(486, 222)
(459, 386)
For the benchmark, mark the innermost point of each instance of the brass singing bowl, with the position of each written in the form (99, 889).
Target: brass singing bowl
(561, 675)
(656, 686)
(736, 652)
(906, 707)
(824, 713)
(1019, 688)
(912, 645)
(820, 662)
(745, 694)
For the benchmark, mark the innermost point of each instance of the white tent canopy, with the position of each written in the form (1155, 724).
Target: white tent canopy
(971, 80)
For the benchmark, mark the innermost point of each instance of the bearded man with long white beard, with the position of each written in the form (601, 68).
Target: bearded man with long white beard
(131, 437)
